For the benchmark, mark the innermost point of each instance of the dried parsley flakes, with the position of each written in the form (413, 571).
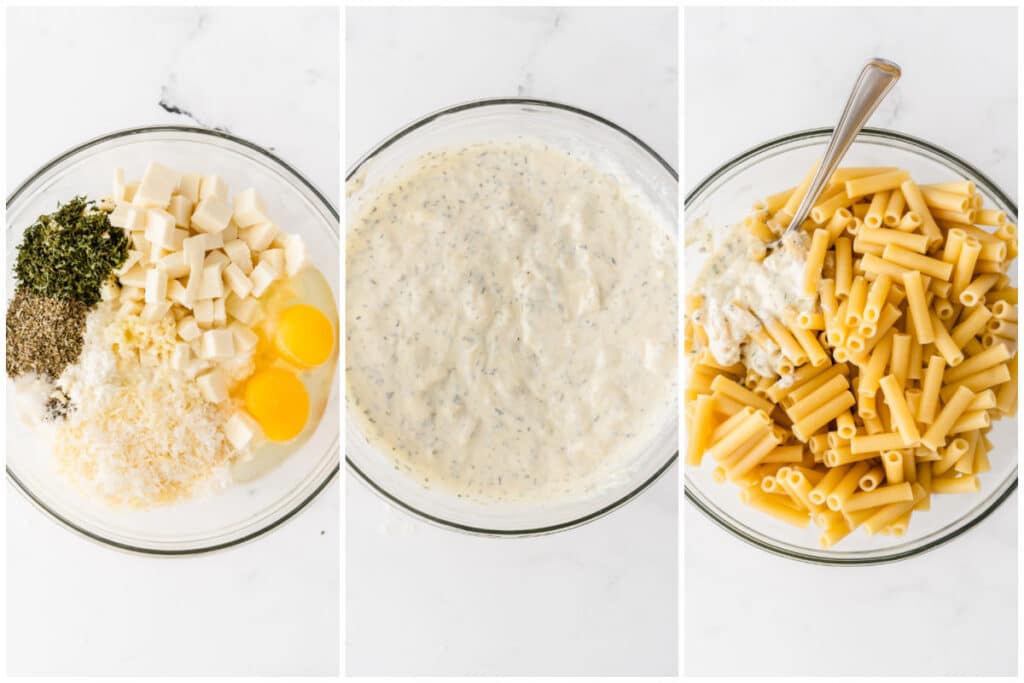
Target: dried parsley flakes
(44, 334)
(71, 253)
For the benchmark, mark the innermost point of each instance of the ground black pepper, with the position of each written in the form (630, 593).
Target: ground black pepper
(44, 334)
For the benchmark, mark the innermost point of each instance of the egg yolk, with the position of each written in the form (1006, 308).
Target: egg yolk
(278, 401)
(304, 336)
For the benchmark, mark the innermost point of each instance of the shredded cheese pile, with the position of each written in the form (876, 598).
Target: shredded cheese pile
(140, 433)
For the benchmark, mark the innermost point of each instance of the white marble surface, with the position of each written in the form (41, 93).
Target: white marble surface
(601, 599)
(270, 607)
(755, 74)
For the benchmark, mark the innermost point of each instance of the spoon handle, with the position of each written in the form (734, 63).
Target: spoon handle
(874, 83)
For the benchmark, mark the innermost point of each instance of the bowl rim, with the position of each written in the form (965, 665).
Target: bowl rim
(392, 139)
(946, 155)
(332, 473)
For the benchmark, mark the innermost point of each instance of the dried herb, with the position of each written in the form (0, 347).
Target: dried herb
(44, 334)
(71, 253)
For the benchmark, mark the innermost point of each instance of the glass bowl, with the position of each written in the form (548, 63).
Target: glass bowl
(723, 198)
(566, 128)
(243, 511)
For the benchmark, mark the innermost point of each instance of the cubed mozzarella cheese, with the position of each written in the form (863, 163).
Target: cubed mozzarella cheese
(132, 294)
(214, 240)
(249, 208)
(213, 186)
(118, 186)
(157, 186)
(175, 264)
(188, 328)
(140, 244)
(238, 252)
(229, 233)
(155, 311)
(119, 216)
(129, 190)
(295, 256)
(259, 236)
(156, 252)
(181, 356)
(203, 311)
(246, 310)
(245, 338)
(212, 284)
(211, 215)
(220, 316)
(135, 277)
(240, 430)
(216, 258)
(217, 344)
(160, 228)
(189, 187)
(263, 275)
(275, 259)
(176, 292)
(135, 219)
(156, 285)
(196, 366)
(214, 386)
(133, 258)
(181, 208)
(239, 283)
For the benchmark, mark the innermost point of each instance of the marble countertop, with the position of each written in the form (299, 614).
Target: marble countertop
(267, 608)
(601, 599)
(755, 74)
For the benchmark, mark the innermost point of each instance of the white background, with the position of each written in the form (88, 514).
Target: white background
(755, 74)
(601, 599)
(270, 607)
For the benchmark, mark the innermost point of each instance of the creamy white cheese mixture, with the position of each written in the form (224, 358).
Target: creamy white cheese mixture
(511, 321)
(738, 292)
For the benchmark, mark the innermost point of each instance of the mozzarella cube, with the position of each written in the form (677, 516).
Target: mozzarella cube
(176, 292)
(220, 316)
(229, 233)
(203, 311)
(119, 216)
(175, 264)
(156, 252)
(129, 190)
(157, 186)
(213, 386)
(238, 252)
(119, 186)
(246, 310)
(214, 240)
(156, 285)
(263, 275)
(132, 294)
(155, 311)
(212, 285)
(216, 258)
(274, 258)
(239, 283)
(195, 252)
(133, 258)
(196, 366)
(217, 344)
(189, 187)
(259, 236)
(241, 429)
(249, 208)
(188, 328)
(160, 228)
(181, 208)
(211, 215)
(135, 219)
(245, 338)
(296, 258)
(181, 356)
(213, 186)
(140, 244)
(130, 308)
(135, 277)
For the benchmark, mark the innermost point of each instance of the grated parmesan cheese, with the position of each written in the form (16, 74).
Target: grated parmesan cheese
(140, 434)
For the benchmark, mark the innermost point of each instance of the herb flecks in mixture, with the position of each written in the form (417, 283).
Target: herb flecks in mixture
(44, 334)
(71, 253)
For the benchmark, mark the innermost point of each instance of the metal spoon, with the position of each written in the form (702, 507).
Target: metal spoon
(874, 83)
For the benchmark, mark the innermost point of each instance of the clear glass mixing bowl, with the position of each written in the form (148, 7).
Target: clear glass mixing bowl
(243, 511)
(722, 199)
(567, 128)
